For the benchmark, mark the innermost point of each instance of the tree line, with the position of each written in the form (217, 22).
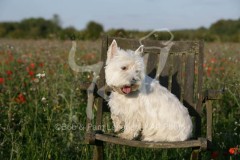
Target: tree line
(40, 28)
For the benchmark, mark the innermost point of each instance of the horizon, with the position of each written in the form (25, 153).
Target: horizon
(180, 29)
(137, 15)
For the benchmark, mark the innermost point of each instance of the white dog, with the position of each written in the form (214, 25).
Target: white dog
(139, 104)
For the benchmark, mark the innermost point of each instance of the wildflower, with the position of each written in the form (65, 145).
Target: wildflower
(233, 150)
(43, 99)
(9, 73)
(214, 154)
(209, 70)
(32, 65)
(21, 98)
(41, 64)
(213, 60)
(1, 80)
(31, 73)
(20, 61)
(41, 75)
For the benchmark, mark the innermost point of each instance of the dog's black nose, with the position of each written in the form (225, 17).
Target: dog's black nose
(133, 81)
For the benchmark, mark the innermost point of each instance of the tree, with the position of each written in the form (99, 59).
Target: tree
(226, 30)
(56, 20)
(93, 30)
(68, 33)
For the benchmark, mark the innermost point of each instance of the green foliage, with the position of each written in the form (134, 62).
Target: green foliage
(93, 30)
(30, 28)
(226, 30)
(68, 33)
(119, 33)
(222, 31)
(39, 28)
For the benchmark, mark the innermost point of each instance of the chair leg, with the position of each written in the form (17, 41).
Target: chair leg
(98, 152)
(196, 154)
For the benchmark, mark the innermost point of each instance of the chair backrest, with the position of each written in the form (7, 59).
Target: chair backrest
(182, 74)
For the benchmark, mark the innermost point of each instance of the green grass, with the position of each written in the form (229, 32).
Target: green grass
(44, 118)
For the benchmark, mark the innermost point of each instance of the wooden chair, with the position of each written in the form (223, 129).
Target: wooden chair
(182, 75)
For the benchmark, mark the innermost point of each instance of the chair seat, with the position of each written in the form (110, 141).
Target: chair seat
(200, 142)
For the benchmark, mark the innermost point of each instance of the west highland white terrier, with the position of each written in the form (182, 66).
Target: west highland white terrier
(139, 104)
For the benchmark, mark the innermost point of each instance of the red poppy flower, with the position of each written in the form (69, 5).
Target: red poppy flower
(31, 73)
(214, 154)
(32, 65)
(233, 150)
(20, 61)
(41, 64)
(1, 80)
(9, 73)
(21, 98)
(213, 60)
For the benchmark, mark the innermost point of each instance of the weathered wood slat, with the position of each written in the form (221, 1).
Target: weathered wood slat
(177, 76)
(101, 82)
(200, 77)
(209, 120)
(189, 78)
(135, 143)
(195, 90)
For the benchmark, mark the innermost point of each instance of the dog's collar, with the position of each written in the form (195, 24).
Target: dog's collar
(116, 89)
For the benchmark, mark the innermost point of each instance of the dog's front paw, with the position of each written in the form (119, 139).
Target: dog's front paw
(118, 128)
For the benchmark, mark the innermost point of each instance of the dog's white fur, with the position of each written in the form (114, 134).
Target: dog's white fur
(149, 110)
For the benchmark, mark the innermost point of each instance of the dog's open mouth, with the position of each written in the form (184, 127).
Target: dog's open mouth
(126, 89)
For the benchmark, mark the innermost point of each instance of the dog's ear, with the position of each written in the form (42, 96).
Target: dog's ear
(139, 51)
(112, 50)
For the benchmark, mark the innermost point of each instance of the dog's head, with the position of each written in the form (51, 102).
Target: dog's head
(124, 69)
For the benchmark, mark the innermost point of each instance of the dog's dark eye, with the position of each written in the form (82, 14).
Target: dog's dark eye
(124, 68)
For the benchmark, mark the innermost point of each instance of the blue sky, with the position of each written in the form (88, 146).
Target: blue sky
(128, 14)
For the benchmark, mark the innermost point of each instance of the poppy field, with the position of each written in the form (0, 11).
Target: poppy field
(43, 109)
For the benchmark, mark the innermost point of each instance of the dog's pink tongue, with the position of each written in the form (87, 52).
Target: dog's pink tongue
(126, 89)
